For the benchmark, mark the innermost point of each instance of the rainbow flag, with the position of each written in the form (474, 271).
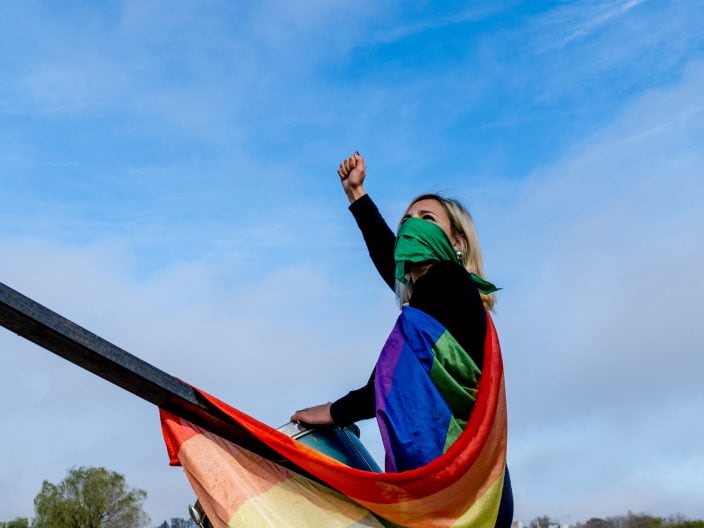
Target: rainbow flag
(459, 488)
(425, 386)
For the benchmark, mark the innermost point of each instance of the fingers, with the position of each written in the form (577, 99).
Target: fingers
(300, 415)
(349, 164)
(359, 161)
(318, 415)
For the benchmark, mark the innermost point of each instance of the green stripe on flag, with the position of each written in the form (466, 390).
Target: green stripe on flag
(456, 376)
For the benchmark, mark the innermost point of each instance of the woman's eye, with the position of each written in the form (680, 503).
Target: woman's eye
(429, 217)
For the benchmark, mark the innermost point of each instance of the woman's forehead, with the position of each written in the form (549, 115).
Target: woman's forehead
(426, 204)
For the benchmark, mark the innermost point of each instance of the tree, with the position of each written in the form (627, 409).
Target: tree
(89, 498)
(19, 522)
(541, 522)
(642, 520)
(596, 522)
(177, 523)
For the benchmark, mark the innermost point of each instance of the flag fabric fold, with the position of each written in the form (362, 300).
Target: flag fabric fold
(425, 387)
(460, 487)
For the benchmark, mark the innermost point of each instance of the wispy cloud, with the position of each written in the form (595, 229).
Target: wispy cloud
(259, 344)
(473, 14)
(575, 22)
(609, 265)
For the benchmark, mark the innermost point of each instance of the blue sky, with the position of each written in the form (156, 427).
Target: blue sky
(167, 174)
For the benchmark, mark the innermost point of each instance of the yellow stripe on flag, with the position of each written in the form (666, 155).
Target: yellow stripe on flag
(300, 503)
(483, 512)
(240, 489)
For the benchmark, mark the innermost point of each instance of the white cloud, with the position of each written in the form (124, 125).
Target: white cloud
(268, 346)
(580, 20)
(600, 330)
(471, 14)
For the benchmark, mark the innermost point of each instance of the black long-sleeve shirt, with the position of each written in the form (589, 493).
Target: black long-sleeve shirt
(446, 292)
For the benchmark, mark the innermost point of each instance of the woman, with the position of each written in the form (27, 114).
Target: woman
(435, 266)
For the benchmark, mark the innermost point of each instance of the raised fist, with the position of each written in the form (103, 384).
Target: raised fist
(352, 172)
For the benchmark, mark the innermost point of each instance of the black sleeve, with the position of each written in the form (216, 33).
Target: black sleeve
(380, 239)
(356, 405)
(448, 293)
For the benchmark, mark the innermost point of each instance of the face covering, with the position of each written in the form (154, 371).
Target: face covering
(423, 241)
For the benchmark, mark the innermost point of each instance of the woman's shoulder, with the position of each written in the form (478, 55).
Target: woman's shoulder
(446, 285)
(446, 272)
(448, 293)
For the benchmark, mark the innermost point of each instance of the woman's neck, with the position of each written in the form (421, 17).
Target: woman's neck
(418, 270)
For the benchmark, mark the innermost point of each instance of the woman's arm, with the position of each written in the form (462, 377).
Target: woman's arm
(380, 239)
(447, 293)
(358, 404)
(316, 415)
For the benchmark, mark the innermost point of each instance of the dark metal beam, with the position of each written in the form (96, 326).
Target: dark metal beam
(31, 320)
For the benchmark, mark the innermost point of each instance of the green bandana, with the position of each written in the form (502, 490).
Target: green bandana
(423, 241)
(484, 286)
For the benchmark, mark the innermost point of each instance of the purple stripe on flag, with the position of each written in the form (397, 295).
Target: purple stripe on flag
(384, 372)
(413, 417)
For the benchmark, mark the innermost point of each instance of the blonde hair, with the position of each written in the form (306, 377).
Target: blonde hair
(463, 228)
